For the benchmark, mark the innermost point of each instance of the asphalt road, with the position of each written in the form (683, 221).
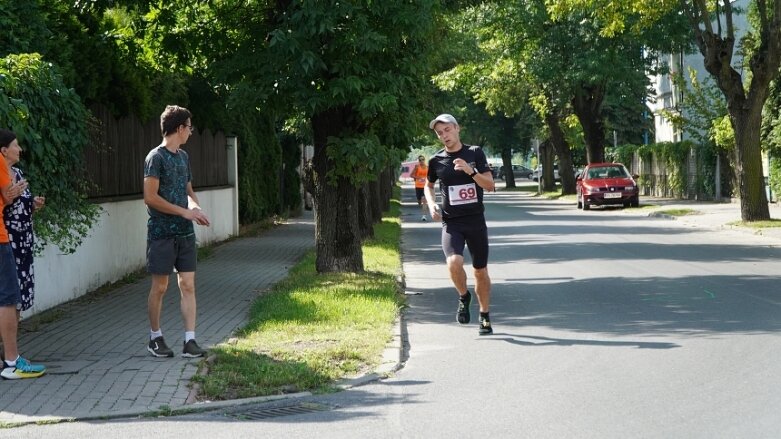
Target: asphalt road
(607, 324)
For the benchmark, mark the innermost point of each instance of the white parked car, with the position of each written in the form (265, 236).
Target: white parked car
(538, 172)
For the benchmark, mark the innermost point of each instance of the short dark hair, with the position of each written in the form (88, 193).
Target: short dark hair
(173, 116)
(6, 137)
(421, 157)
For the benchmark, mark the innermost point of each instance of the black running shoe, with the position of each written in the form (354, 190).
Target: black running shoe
(462, 315)
(192, 350)
(485, 327)
(158, 348)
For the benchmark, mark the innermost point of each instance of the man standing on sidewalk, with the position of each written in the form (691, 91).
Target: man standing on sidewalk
(172, 206)
(463, 174)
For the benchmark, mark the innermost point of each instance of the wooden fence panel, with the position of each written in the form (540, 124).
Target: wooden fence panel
(115, 165)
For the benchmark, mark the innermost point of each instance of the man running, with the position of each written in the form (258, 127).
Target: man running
(420, 173)
(463, 174)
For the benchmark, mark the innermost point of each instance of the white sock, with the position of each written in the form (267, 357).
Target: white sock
(11, 363)
(154, 334)
(189, 335)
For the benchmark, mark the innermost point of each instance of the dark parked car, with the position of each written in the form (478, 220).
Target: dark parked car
(518, 171)
(607, 183)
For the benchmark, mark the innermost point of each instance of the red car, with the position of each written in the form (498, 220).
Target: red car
(607, 183)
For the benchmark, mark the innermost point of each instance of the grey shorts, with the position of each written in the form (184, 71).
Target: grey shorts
(10, 295)
(163, 255)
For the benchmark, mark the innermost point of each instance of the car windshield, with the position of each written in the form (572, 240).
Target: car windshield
(607, 172)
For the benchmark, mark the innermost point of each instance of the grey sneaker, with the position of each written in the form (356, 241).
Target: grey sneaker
(192, 350)
(158, 348)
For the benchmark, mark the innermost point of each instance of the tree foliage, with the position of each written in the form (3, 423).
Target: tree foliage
(50, 122)
(561, 64)
(712, 24)
(356, 69)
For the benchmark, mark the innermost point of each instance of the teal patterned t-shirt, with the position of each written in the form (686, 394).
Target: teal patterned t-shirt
(173, 171)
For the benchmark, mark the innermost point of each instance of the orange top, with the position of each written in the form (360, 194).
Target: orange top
(5, 181)
(420, 174)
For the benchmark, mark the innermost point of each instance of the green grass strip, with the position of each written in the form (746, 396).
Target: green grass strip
(766, 224)
(314, 329)
(678, 212)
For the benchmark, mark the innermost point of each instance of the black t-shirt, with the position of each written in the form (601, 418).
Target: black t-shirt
(462, 196)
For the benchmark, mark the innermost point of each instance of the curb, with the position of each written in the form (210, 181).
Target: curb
(662, 215)
(392, 360)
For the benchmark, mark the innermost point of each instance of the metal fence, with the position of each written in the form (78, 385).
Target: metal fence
(115, 161)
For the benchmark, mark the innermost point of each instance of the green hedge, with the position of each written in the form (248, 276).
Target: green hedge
(260, 162)
(50, 122)
(99, 51)
(674, 155)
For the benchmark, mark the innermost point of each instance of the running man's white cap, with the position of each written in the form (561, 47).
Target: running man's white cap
(444, 118)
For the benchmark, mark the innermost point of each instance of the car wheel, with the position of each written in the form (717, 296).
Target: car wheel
(635, 201)
(586, 206)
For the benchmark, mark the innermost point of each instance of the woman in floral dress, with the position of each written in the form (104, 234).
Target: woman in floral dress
(18, 217)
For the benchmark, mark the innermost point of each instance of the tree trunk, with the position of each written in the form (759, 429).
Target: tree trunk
(564, 153)
(507, 162)
(587, 105)
(365, 223)
(745, 106)
(337, 237)
(753, 200)
(387, 183)
(548, 180)
(375, 198)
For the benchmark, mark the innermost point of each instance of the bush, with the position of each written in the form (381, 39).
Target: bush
(50, 122)
(260, 167)
(622, 154)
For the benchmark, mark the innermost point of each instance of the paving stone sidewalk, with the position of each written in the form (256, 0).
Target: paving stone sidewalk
(95, 350)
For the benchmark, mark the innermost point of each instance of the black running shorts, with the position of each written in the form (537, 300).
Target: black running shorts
(453, 242)
(419, 194)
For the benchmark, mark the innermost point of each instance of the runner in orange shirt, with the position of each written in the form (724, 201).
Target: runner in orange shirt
(420, 173)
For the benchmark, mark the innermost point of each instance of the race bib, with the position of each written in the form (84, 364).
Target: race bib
(462, 194)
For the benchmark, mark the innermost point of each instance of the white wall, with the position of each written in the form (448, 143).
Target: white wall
(116, 246)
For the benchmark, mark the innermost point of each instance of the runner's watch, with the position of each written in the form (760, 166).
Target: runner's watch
(474, 172)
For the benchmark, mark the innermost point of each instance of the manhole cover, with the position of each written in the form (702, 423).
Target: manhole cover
(276, 412)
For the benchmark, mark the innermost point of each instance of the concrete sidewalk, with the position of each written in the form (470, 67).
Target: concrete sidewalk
(710, 215)
(95, 349)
